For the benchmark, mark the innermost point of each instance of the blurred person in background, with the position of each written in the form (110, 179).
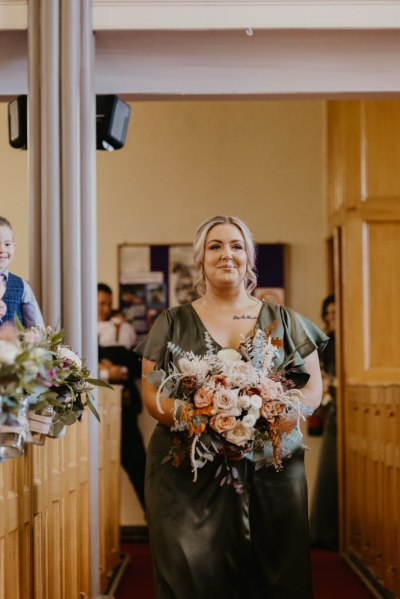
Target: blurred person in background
(324, 511)
(118, 364)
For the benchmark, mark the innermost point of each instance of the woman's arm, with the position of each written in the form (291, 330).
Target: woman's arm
(312, 390)
(149, 393)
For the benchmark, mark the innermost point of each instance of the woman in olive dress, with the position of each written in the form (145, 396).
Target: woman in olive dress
(208, 540)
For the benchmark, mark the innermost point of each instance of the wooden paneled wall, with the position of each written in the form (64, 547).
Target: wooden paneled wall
(110, 433)
(364, 208)
(372, 480)
(44, 507)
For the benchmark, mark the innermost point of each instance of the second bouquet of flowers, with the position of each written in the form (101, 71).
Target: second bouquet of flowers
(234, 403)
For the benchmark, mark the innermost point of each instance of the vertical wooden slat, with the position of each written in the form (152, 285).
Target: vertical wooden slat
(391, 501)
(109, 474)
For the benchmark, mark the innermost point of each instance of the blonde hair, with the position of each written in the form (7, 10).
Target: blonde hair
(5, 223)
(199, 282)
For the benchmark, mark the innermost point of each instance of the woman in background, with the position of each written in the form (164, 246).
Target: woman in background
(324, 512)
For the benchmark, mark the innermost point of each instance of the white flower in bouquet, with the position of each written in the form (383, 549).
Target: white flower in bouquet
(194, 367)
(239, 373)
(228, 355)
(64, 353)
(256, 402)
(254, 412)
(250, 419)
(244, 402)
(8, 352)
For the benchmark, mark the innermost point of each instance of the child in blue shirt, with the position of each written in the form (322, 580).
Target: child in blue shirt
(16, 295)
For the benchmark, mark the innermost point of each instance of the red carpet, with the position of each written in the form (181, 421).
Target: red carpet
(332, 577)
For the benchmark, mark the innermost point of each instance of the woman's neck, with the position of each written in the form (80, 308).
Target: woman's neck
(238, 298)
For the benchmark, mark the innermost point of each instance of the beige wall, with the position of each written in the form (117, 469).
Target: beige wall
(14, 193)
(263, 161)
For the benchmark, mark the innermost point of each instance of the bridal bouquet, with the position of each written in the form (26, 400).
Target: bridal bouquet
(232, 403)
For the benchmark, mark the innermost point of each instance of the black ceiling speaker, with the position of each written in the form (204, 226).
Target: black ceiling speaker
(112, 119)
(17, 123)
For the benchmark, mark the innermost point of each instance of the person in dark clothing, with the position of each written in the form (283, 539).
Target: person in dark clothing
(324, 511)
(118, 364)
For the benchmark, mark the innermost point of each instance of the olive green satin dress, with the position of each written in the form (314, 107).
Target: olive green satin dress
(209, 541)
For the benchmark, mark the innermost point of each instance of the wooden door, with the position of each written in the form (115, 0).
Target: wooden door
(364, 207)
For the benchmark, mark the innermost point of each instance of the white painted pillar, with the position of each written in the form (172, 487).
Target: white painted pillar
(50, 261)
(70, 168)
(89, 266)
(34, 153)
(62, 163)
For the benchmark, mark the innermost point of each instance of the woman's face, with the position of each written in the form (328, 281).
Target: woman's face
(225, 258)
(330, 318)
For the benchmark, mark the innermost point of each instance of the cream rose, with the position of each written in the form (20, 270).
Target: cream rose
(239, 435)
(222, 422)
(8, 352)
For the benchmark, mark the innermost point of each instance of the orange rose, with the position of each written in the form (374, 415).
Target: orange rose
(222, 423)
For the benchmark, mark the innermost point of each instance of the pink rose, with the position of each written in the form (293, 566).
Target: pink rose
(203, 397)
(225, 399)
(222, 423)
(271, 389)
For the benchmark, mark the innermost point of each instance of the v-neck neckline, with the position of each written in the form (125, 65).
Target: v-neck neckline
(211, 336)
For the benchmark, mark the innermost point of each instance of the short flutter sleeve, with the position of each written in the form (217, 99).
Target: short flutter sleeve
(154, 345)
(302, 334)
(301, 338)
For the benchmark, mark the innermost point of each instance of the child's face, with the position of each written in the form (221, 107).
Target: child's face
(7, 247)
